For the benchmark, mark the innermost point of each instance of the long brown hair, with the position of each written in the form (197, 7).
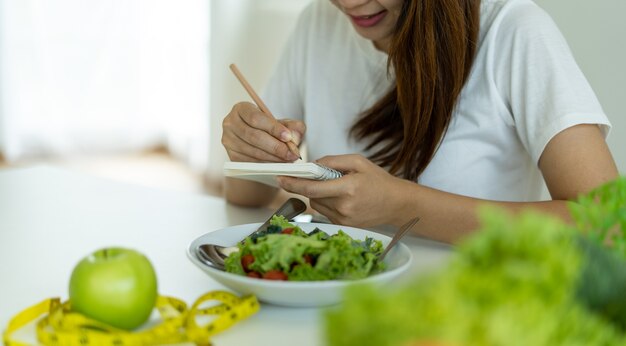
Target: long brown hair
(432, 52)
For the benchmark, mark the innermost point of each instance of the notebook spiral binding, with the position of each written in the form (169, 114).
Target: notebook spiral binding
(329, 173)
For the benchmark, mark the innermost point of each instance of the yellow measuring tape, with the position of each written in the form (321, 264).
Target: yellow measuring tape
(63, 327)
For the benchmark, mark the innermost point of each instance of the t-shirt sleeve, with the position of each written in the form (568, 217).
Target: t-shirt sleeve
(284, 92)
(539, 79)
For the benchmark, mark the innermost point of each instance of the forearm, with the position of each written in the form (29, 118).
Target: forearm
(449, 217)
(248, 193)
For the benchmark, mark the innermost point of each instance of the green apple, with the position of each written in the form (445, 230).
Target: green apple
(117, 286)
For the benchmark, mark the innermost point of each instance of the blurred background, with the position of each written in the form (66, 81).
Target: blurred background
(135, 90)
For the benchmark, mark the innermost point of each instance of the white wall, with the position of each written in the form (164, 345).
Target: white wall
(596, 33)
(251, 33)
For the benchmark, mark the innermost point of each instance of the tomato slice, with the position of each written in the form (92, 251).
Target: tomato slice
(246, 261)
(275, 275)
(287, 231)
(253, 274)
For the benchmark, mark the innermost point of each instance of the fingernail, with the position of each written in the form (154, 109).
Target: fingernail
(296, 137)
(285, 136)
(291, 156)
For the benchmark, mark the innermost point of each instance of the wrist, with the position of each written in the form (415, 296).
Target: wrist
(403, 205)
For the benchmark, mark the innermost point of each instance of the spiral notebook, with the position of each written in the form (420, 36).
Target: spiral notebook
(266, 172)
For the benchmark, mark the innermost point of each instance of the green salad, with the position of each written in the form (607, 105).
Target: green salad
(285, 252)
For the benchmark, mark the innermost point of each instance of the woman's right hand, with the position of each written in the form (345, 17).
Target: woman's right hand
(251, 135)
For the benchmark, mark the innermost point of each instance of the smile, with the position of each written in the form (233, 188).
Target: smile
(369, 20)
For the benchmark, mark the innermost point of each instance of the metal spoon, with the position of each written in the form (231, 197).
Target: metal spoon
(396, 237)
(214, 255)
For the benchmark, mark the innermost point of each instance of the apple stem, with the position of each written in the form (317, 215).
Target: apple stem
(105, 253)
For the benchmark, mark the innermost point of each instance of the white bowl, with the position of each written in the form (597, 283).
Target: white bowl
(298, 293)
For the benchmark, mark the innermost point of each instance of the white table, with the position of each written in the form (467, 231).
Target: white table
(50, 218)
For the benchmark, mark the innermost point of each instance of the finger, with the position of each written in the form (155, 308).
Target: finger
(237, 146)
(297, 128)
(311, 188)
(265, 132)
(260, 140)
(264, 122)
(324, 207)
(327, 208)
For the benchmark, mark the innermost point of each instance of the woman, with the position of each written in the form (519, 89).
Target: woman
(430, 108)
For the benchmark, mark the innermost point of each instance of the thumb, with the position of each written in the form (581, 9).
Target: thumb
(343, 163)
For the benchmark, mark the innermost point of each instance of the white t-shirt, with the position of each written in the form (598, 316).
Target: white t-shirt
(524, 88)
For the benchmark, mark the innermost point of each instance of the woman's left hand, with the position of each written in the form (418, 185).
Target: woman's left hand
(362, 197)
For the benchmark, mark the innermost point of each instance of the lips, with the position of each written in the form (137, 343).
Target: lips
(368, 20)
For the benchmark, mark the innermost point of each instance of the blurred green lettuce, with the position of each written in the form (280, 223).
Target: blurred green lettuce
(601, 215)
(528, 279)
